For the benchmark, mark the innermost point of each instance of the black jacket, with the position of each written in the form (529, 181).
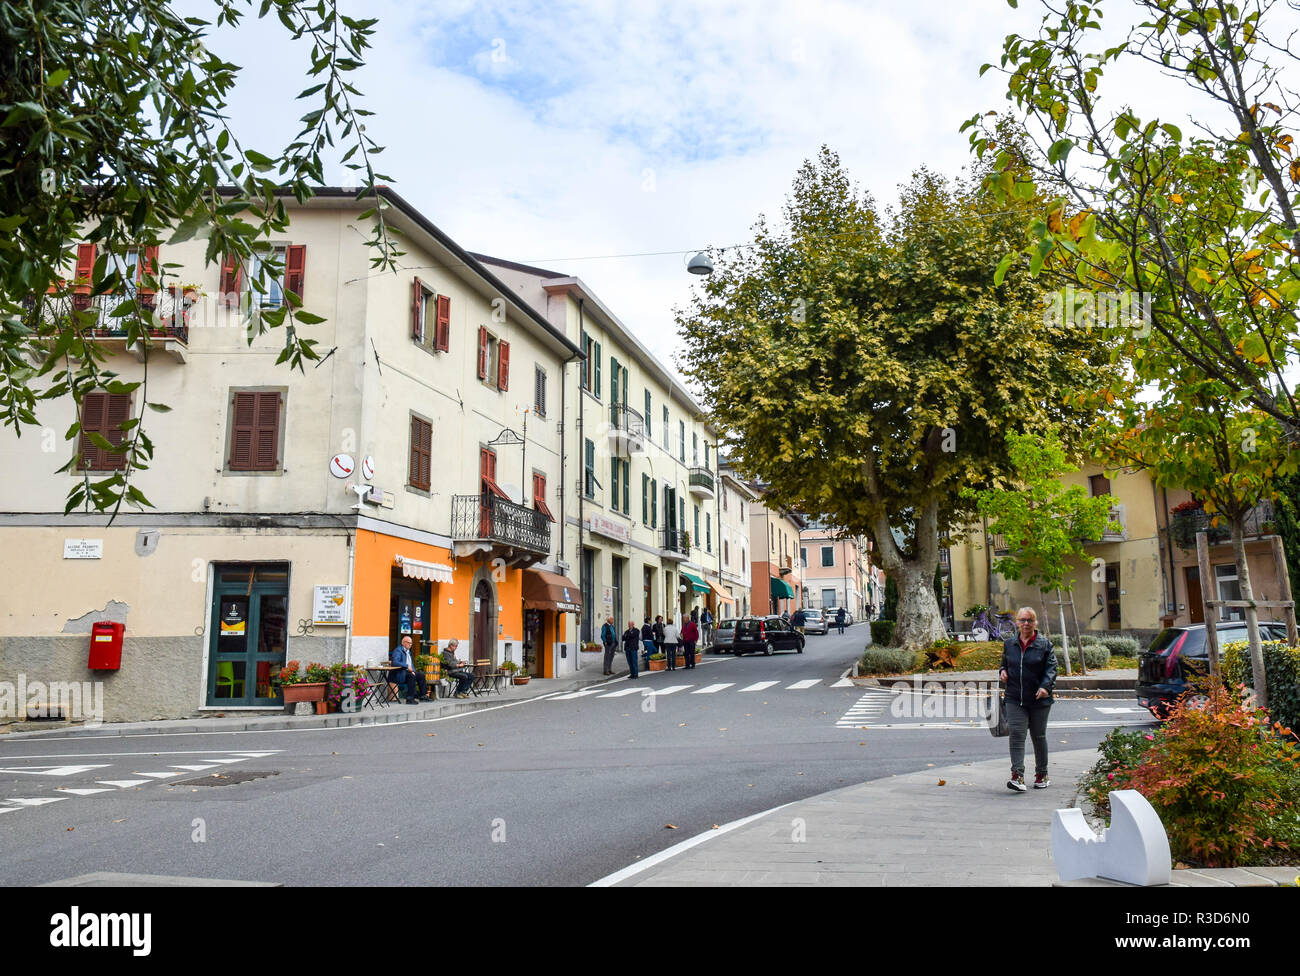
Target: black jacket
(1029, 670)
(631, 640)
(647, 632)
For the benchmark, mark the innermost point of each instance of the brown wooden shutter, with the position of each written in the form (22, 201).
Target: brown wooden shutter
(243, 416)
(503, 366)
(295, 268)
(93, 407)
(117, 412)
(421, 453)
(482, 353)
(267, 443)
(443, 328)
(230, 275)
(417, 306)
(85, 268)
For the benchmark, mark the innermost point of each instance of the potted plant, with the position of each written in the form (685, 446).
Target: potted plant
(348, 686)
(299, 687)
(517, 674)
(318, 674)
(591, 647)
(658, 662)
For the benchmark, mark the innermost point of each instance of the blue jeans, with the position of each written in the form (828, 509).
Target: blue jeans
(1020, 719)
(630, 654)
(647, 648)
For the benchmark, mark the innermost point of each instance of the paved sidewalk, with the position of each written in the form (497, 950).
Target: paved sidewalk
(901, 831)
(589, 673)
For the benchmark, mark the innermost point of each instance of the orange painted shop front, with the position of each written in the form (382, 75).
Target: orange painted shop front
(405, 587)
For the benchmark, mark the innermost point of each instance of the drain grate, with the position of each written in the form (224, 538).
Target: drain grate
(227, 779)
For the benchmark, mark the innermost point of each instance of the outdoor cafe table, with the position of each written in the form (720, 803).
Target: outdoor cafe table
(377, 693)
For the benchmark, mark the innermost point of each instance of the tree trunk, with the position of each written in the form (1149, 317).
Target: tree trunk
(1237, 527)
(919, 622)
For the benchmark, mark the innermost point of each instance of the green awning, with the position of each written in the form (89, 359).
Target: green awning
(781, 589)
(697, 584)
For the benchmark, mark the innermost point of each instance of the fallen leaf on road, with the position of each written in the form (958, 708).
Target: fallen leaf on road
(670, 826)
(430, 733)
(681, 725)
(715, 827)
(72, 828)
(123, 820)
(943, 782)
(722, 730)
(929, 764)
(798, 774)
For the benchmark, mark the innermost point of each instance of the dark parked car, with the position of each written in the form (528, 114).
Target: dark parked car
(1178, 653)
(722, 634)
(766, 634)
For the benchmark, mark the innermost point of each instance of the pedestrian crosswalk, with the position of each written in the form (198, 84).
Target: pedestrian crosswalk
(889, 709)
(605, 691)
(12, 798)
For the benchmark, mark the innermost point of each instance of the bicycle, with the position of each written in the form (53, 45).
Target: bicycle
(1000, 627)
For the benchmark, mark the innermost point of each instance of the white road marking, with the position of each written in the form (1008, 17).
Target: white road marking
(10, 809)
(1120, 711)
(759, 686)
(55, 770)
(634, 690)
(670, 690)
(801, 685)
(123, 784)
(197, 768)
(712, 689)
(81, 792)
(154, 775)
(578, 694)
(35, 801)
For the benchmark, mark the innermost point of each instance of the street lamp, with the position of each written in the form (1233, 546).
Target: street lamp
(700, 264)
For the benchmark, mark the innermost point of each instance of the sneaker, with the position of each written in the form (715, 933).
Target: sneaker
(1041, 782)
(1016, 782)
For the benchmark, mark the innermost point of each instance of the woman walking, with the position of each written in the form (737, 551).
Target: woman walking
(690, 635)
(1029, 671)
(672, 637)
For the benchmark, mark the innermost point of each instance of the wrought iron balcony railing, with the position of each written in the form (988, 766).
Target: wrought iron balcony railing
(167, 315)
(1183, 525)
(676, 541)
(626, 421)
(701, 480)
(490, 518)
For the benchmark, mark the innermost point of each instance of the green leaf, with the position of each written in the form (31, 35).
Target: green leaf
(1003, 265)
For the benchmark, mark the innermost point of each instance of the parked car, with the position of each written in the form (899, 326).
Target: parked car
(1178, 653)
(766, 634)
(723, 631)
(831, 613)
(814, 622)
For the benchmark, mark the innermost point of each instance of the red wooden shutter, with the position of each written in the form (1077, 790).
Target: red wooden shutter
(443, 328)
(93, 407)
(482, 353)
(295, 265)
(85, 267)
(417, 314)
(148, 267)
(487, 465)
(503, 366)
(267, 443)
(230, 275)
(117, 411)
(241, 437)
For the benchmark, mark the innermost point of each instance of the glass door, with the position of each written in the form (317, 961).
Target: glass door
(250, 628)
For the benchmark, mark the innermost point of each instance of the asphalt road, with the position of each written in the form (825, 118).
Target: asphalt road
(553, 791)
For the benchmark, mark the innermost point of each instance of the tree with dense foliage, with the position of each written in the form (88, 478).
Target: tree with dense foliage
(114, 133)
(865, 366)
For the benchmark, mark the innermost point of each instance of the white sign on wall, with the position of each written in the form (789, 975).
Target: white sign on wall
(83, 548)
(330, 604)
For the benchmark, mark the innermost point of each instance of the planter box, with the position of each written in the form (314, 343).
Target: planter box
(657, 665)
(522, 679)
(312, 692)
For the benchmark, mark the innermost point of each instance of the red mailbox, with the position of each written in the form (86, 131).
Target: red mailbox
(106, 645)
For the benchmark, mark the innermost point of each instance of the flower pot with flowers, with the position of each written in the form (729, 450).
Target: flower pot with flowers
(517, 674)
(347, 688)
(318, 675)
(294, 687)
(658, 662)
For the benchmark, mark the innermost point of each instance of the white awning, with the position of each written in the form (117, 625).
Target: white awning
(417, 569)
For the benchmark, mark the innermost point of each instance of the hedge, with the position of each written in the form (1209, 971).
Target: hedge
(1281, 676)
(882, 632)
(887, 660)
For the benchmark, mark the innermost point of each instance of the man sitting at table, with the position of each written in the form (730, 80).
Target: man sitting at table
(457, 669)
(408, 677)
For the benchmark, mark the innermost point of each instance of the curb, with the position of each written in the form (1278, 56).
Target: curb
(394, 713)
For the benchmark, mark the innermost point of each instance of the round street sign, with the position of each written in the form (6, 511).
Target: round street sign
(368, 467)
(341, 465)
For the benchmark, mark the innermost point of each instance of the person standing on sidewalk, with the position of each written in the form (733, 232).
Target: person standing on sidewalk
(609, 637)
(690, 636)
(798, 620)
(647, 643)
(631, 646)
(671, 638)
(839, 619)
(658, 630)
(706, 627)
(1028, 669)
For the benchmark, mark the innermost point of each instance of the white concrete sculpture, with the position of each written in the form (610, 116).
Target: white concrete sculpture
(1134, 849)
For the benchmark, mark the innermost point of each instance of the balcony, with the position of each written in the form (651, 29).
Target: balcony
(785, 565)
(675, 543)
(1110, 533)
(700, 482)
(500, 528)
(626, 429)
(1184, 523)
(167, 314)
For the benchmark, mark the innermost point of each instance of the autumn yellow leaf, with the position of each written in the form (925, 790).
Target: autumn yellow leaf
(1175, 198)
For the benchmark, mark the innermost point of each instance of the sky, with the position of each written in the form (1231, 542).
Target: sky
(572, 134)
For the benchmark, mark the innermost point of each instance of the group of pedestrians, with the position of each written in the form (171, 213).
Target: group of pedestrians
(662, 636)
